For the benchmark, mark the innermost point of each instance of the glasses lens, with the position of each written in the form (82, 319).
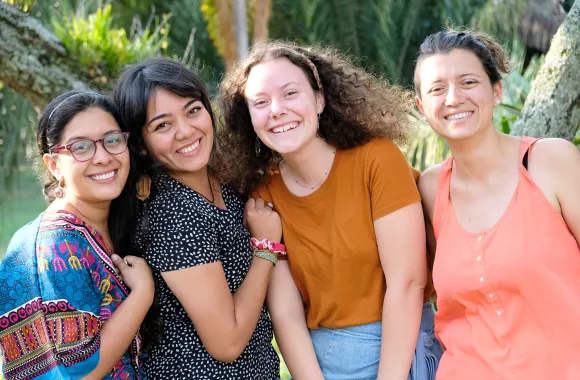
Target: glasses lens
(83, 150)
(115, 143)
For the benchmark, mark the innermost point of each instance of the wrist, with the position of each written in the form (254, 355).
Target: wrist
(266, 255)
(268, 245)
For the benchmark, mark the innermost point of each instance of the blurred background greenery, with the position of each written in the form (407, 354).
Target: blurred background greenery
(382, 35)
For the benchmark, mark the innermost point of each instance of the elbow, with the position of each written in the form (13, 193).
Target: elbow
(227, 351)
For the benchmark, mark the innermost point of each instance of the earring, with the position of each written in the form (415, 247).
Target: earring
(143, 187)
(497, 102)
(59, 191)
(258, 146)
(424, 117)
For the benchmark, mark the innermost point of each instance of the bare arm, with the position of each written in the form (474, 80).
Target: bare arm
(120, 329)
(555, 166)
(225, 323)
(287, 312)
(401, 243)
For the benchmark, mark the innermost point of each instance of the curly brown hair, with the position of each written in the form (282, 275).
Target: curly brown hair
(359, 107)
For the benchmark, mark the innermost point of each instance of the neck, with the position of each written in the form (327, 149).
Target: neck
(310, 163)
(95, 214)
(477, 157)
(197, 181)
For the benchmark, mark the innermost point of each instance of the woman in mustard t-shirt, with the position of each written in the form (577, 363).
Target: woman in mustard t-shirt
(313, 135)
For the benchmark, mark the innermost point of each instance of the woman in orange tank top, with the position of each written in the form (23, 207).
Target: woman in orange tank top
(504, 220)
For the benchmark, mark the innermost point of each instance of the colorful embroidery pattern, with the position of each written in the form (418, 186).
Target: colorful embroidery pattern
(57, 286)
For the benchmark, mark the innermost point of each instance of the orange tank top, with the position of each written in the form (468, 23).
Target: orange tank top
(509, 297)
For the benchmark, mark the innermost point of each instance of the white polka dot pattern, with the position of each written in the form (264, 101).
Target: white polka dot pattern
(183, 230)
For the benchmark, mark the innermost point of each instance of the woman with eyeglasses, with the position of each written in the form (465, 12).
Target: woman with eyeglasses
(65, 311)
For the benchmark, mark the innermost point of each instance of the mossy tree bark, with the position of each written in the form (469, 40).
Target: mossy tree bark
(553, 106)
(32, 59)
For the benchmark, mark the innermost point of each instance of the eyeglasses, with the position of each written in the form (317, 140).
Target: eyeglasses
(85, 149)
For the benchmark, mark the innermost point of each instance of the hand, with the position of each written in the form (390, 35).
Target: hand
(262, 221)
(136, 274)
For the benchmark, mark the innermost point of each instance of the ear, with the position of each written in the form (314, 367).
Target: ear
(498, 90)
(52, 164)
(319, 102)
(419, 104)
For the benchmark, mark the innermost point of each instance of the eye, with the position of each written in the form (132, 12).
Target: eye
(113, 139)
(259, 103)
(81, 146)
(194, 110)
(470, 82)
(161, 126)
(291, 93)
(435, 89)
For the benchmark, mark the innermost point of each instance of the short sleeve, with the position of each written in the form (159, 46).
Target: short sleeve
(182, 235)
(391, 180)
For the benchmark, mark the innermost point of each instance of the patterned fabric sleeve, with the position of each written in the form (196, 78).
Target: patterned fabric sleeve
(50, 306)
(181, 234)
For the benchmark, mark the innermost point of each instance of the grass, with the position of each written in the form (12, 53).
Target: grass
(19, 206)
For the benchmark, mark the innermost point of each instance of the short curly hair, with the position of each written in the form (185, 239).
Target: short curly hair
(359, 107)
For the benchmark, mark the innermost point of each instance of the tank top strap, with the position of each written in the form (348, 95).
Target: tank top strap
(442, 198)
(525, 146)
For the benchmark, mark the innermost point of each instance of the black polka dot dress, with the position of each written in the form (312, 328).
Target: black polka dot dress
(180, 230)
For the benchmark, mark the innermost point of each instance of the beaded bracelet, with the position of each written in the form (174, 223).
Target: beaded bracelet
(266, 255)
(268, 245)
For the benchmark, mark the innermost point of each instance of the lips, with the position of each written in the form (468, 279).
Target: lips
(190, 148)
(284, 128)
(104, 176)
(458, 116)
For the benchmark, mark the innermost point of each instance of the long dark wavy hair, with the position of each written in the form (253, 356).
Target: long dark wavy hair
(358, 108)
(132, 92)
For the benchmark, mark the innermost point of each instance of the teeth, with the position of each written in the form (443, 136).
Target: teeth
(190, 148)
(285, 128)
(458, 115)
(102, 177)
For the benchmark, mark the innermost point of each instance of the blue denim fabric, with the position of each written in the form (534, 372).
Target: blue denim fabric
(352, 353)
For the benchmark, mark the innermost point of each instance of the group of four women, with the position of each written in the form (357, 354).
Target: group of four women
(300, 216)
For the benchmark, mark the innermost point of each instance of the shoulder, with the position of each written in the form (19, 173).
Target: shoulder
(380, 146)
(427, 184)
(555, 151)
(264, 188)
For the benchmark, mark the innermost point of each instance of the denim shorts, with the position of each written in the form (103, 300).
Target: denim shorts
(354, 352)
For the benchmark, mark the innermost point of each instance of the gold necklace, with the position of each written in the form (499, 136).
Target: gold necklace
(318, 184)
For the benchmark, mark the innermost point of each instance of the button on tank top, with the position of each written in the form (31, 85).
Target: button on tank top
(508, 297)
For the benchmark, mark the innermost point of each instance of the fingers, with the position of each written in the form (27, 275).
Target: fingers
(250, 204)
(119, 263)
(259, 203)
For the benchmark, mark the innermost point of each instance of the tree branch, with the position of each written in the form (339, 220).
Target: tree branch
(33, 61)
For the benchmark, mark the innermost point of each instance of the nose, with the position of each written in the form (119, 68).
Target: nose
(277, 109)
(454, 97)
(184, 130)
(101, 157)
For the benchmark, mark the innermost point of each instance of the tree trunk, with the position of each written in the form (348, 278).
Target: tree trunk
(553, 106)
(224, 9)
(32, 59)
(261, 9)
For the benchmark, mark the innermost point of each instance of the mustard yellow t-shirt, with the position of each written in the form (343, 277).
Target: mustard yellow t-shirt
(330, 237)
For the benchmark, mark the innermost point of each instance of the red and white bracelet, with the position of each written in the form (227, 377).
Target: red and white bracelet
(267, 245)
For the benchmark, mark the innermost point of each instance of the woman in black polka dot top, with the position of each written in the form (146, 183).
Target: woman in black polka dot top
(210, 284)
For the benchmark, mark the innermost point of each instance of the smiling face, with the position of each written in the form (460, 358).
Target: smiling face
(456, 95)
(178, 132)
(100, 179)
(283, 105)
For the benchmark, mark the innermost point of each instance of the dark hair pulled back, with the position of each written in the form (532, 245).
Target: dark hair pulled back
(490, 53)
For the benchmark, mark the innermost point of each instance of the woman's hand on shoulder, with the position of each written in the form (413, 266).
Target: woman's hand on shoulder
(136, 275)
(262, 221)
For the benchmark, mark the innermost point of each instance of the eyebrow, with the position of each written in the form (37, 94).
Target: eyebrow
(461, 76)
(168, 114)
(75, 138)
